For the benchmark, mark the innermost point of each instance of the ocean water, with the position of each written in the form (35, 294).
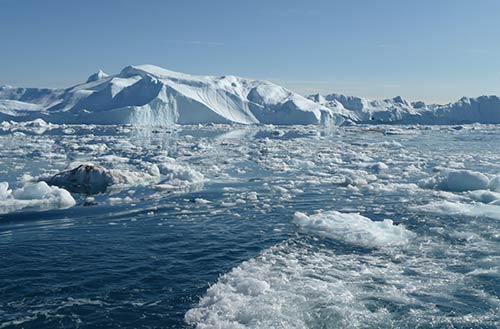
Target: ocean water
(290, 227)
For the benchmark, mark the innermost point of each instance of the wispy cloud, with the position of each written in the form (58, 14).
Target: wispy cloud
(196, 42)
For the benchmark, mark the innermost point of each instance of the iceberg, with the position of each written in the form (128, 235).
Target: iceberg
(152, 96)
(148, 95)
(92, 179)
(483, 109)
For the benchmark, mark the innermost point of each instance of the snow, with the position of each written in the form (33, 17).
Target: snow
(39, 196)
(353, 228)
(97, 76)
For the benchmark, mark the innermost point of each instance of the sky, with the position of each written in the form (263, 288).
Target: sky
(432, 50)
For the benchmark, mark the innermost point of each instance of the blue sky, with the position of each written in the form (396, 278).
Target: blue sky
(435, 50)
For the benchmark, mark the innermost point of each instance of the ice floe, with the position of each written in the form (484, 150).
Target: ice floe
(449, 208)
(458, 181)
(38, 196)
(353, 229)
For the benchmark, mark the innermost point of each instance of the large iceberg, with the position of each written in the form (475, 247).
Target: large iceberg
(153, 96)
(483, 109)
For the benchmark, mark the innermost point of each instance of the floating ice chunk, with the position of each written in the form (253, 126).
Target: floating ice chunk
(458, 181)
(37, 123)
(91, 178)
(494, 184)
(461, 209)
(176, 172)
(39, 196)
(37, 126)
(4, 190)
(201, 201)
(465, 180)
(33, 191)
(113, 159)
(379, 167)
(484, 196)
(353, 229)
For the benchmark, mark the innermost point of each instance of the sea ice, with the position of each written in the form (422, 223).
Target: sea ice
(458, 181)
(39, 196)
(353, 228)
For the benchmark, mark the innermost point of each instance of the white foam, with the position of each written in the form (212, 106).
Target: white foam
(353, 229)
(294, 285)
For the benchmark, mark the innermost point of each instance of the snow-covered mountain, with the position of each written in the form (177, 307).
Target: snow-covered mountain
(483, 109)
(150, 95)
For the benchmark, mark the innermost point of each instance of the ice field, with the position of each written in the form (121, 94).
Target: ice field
(234, 226)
